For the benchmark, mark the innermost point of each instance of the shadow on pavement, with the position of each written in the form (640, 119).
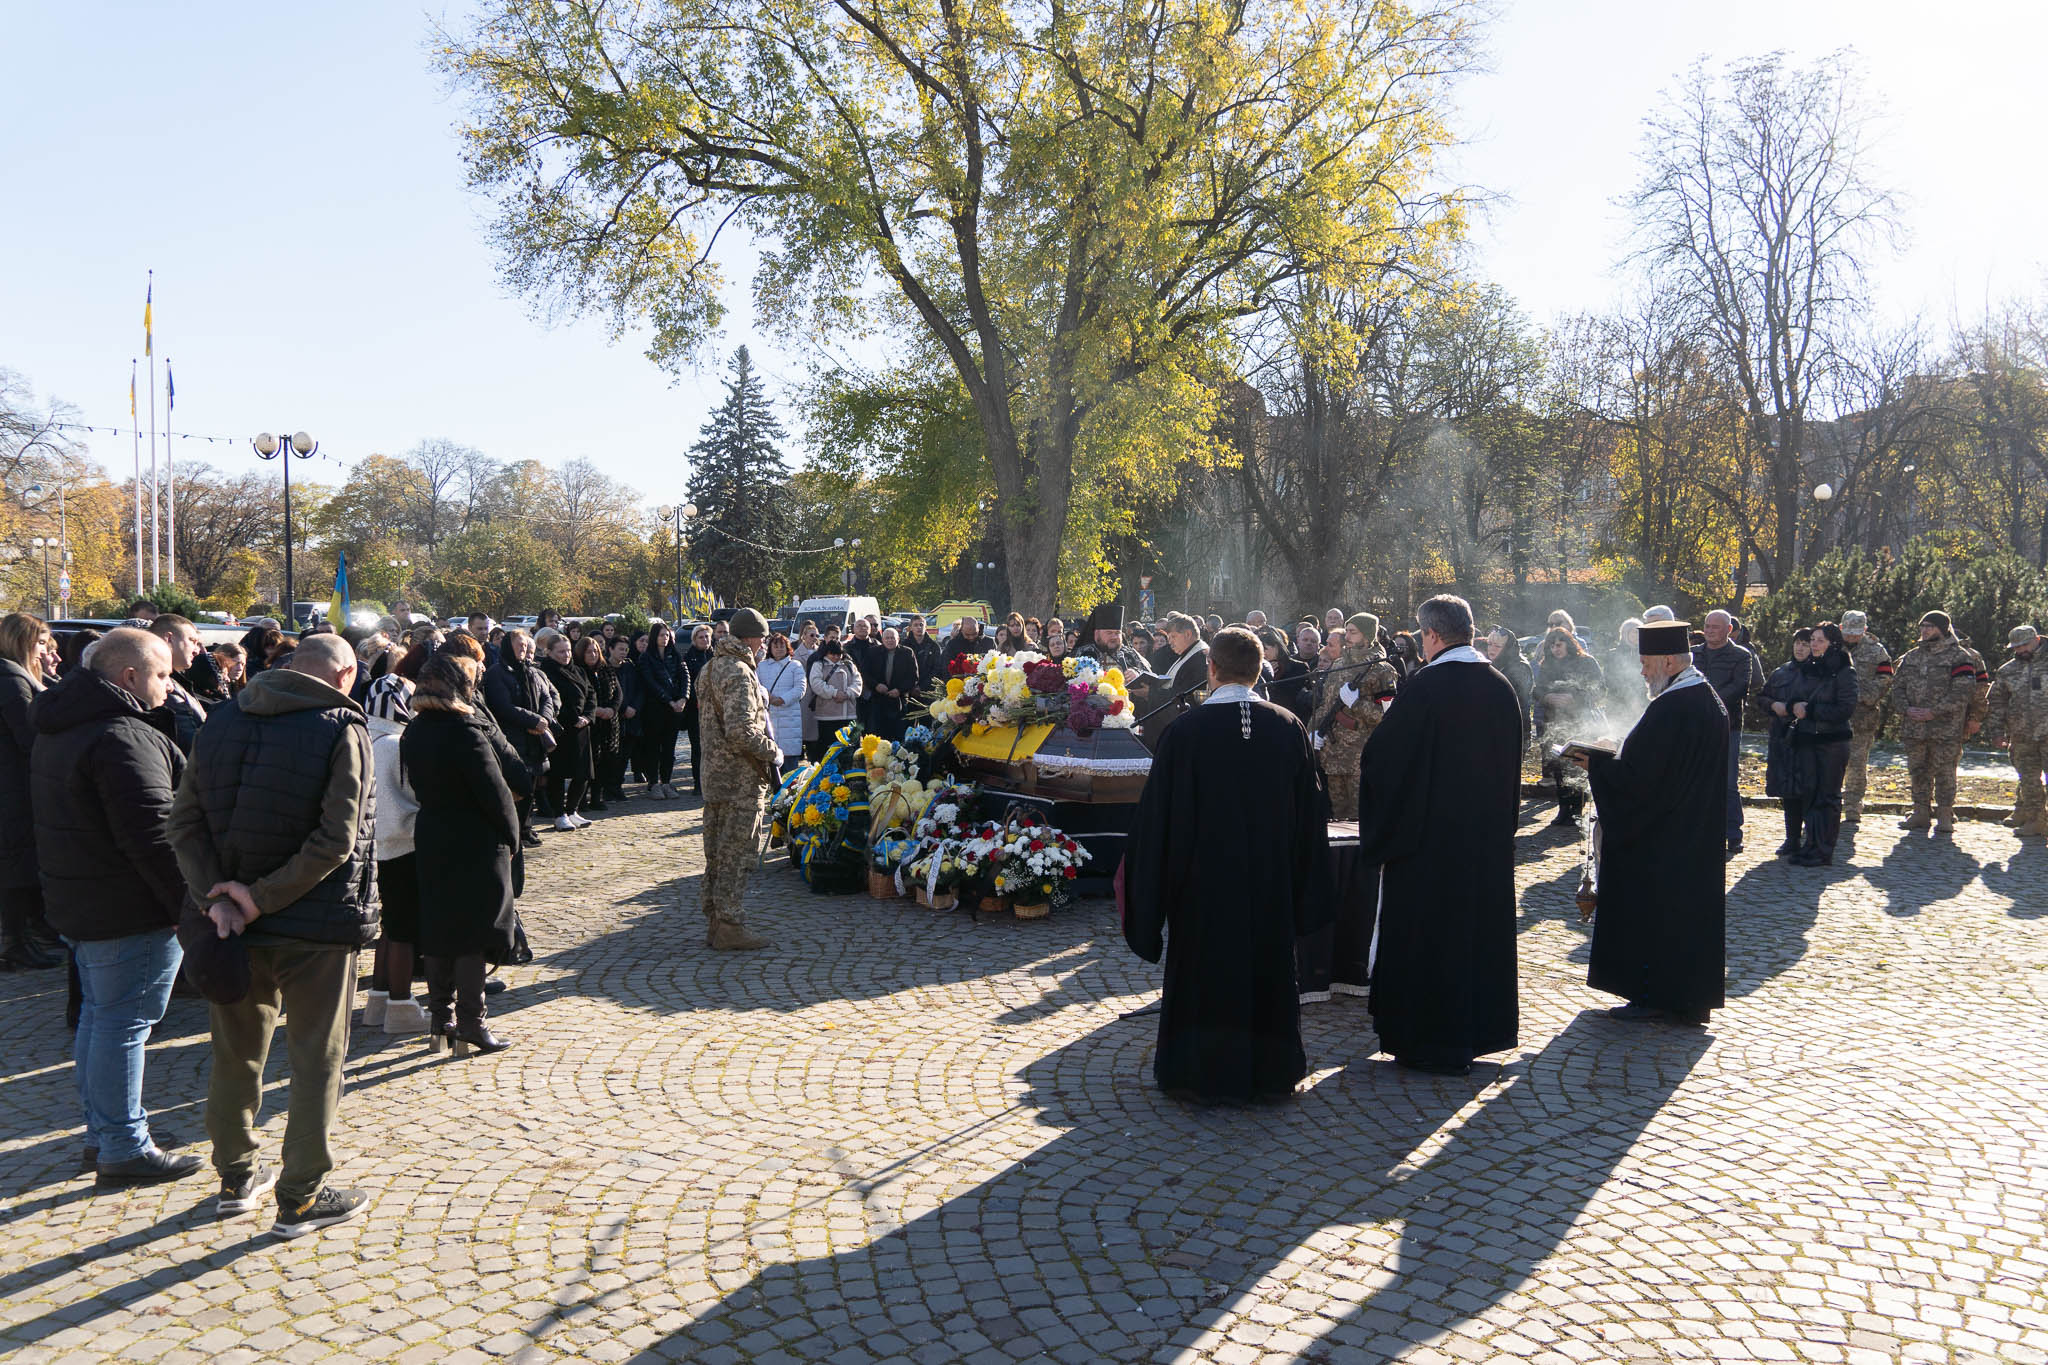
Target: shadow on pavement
(1145, 1217)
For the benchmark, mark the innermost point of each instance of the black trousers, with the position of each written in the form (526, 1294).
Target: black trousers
(455, 990)
(696, 750)
(1822, 816)
(565, 794)
(611, 774)
(659, 728)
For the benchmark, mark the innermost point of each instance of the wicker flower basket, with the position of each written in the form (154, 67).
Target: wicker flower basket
(882, 885)
(1038, 910)
(944, 900)
(992, 905)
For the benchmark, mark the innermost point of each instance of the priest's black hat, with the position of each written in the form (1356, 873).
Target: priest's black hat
(1664, 637)
(1108, 616)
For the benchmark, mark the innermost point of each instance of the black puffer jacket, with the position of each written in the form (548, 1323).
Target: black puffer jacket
(17, 811)
(1830, 697)
(102, 778)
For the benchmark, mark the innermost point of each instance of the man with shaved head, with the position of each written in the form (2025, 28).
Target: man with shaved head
(101, 776)
(274, 829)
(1733, 672)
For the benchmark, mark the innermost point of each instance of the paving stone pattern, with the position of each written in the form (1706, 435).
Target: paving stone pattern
(904, 1135)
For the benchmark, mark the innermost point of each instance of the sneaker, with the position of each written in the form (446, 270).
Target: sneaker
(374, 1005)
(241, 1193)
(563, 823)
(153, 1167)
(579, 822)
(405, 1016)
(323, 1210)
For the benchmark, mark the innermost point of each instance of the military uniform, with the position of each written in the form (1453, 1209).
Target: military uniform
(1942, 678)
(2019, 699)
(1873, 680)
(740, 758)
(1366, 675)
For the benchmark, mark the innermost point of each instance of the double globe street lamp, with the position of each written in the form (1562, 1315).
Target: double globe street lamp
(269, 447)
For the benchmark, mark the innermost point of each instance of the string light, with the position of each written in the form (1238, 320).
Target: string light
(96, 430)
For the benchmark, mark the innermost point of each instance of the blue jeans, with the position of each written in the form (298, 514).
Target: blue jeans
(1734, 791)
(126, 984)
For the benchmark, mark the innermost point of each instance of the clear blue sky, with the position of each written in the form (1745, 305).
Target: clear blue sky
(290, 172)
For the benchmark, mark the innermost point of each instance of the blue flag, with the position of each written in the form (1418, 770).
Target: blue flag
(337, 607)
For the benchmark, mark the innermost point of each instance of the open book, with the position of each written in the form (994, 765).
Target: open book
(1589, 747)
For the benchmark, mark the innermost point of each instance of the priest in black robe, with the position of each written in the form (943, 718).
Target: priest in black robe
(1226, 866)
(1439, 791)
(1662, 807)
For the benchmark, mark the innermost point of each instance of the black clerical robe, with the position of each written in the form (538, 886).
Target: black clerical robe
(1658, 934)
(892, 668)
(1227, 864)
(1439, 791)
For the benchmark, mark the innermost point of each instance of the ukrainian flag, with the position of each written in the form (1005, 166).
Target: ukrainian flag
(337, 606)
(698, 600)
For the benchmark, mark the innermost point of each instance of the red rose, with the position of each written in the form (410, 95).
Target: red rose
(1070, 873)
(1037, 844)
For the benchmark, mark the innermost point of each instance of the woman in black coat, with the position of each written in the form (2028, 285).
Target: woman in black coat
(572, 764)
(523, 704)
(632, 701)
(26, 942)
(465, 836)
(1782, 690)
(694, 658)
(607, 751)
(665, 681)
(1820, 716)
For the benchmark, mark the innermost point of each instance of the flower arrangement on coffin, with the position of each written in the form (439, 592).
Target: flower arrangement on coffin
(1029, 689)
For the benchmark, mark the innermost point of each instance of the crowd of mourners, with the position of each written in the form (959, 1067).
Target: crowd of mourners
(254, 813)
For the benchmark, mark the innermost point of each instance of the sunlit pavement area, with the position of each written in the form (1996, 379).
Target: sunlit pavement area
(909, 1135)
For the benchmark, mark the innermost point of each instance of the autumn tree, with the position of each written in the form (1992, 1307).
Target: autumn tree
(1070, 207)
(1756, 210)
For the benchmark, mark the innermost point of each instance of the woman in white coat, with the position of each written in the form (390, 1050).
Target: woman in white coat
(782, 675)
(835, 694)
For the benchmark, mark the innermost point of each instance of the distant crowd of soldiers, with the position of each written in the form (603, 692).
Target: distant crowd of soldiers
(1944, 694)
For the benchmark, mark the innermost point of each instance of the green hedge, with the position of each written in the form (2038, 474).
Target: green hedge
(1987, 596)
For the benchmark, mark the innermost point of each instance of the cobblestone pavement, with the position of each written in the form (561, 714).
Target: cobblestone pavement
(908, 1135)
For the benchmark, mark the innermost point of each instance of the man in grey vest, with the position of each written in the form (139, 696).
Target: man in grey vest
(274, 831)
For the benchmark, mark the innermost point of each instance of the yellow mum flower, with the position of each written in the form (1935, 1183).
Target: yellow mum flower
(1114, 677)
(842, 794)
(955, 686)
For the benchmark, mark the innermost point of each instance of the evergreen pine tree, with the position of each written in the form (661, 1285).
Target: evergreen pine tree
(741, 488)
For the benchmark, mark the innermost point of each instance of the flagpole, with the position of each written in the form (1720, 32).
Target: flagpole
(170, 475)
(136, 432)
(156, 547)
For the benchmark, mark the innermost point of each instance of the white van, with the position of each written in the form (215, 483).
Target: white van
(835, 611)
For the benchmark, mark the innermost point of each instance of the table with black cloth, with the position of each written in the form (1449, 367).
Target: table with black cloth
(1337, 959)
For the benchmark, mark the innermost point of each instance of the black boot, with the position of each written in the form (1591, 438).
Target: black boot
(19, 951)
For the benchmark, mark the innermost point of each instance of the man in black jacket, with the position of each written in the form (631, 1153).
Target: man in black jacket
(523, 703)
(930, 655)
(102, 774)
(276, 821)
(1733, 672)
(187, 712)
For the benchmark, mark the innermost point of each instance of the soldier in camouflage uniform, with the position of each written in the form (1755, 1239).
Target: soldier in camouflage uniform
(740, 759)
(1873, 680)
(1355, 693)
(2019, 699)
(1936, 693)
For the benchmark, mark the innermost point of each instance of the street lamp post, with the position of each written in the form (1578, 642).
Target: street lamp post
(676, 516)
(269, 447)
(43, 544)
